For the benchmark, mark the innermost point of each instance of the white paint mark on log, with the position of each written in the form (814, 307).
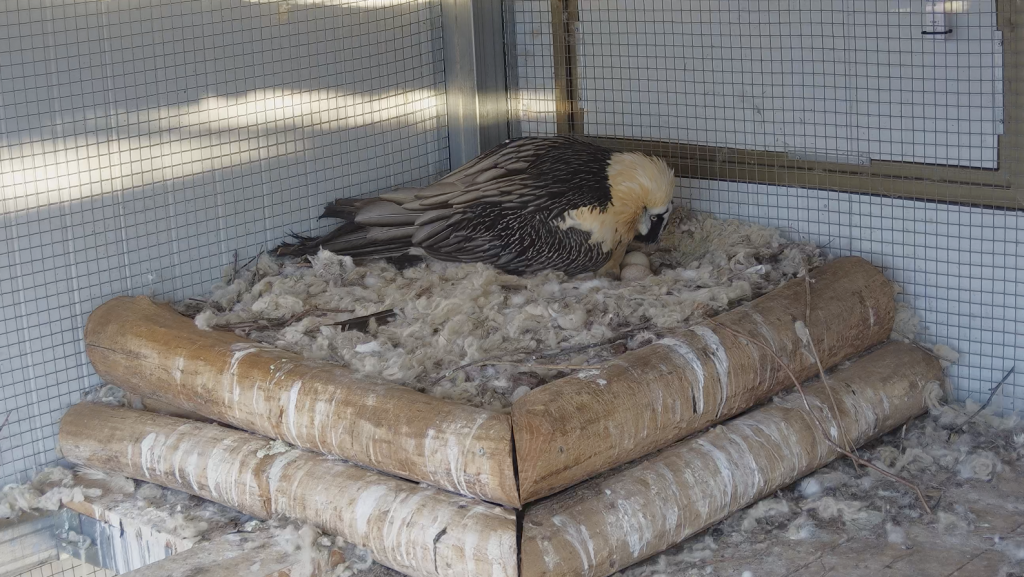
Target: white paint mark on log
(293, 399)
(147, 446)
(367, 504)
(721, 360)
(240, 351)
(698, 368)
(579, 537)
(276, 470)
(179, 369)
(549, 554)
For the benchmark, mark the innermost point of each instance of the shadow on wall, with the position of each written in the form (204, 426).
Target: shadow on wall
(143, 143)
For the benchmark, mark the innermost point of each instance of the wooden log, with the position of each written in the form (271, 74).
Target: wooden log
(251, 554)
(417, 530)
(572, 429)
(619, 519)
(150, 350)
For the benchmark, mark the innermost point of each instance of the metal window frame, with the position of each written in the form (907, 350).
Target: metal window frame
(1002, 187)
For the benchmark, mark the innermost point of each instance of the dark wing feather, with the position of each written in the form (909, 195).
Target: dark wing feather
(500, 208)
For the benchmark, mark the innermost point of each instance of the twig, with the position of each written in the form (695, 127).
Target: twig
(234, 269)
(991, 396)
(279, 324)
(545, 367)
(4, 424)
(807, 301)
(917, 344)
(818, 422)
(821, 369)
(493, 360)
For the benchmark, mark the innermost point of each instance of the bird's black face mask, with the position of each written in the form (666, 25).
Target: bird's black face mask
(657, 224)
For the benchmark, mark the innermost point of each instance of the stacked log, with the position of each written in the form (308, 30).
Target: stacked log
(565, 432)
(614, 521)
(575, 428)
(416, 530)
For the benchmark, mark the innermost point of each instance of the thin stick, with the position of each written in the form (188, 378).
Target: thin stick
(821, 369)
(4, 424)
(991, 396)
(279, 323)
(917, 344)
(824, 431)
(234, 269)
(545, 367)
(545, 355)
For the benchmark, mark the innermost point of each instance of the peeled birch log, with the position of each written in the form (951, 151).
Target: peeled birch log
(420, 531)
(570, 430)
(151, 350)
(617, 520)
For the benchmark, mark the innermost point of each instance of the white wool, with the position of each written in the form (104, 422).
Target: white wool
(357, 559)
(950, 523)
(273, 448)
(981, 465)
(369, 348)
(46, 491)
(327, 264)
(907, 324)
(762, 510)
(18, 499)
(149, 492)
(895, 534)
(849, 511)
(518, 393)
(810, 487)
(53, 498)
(53, 477)
(107, 395)
(946, 355)
(226, 293)
(206, 320)
(448, 315)
(300, 541)
(933, 395)
(1012, 548)
(184, 526)
(801, 528)
(114, 482)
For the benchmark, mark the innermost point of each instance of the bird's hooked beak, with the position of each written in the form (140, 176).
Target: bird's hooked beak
(653, 232)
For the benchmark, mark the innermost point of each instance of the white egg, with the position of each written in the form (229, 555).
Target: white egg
(636, 258)
(634, 273)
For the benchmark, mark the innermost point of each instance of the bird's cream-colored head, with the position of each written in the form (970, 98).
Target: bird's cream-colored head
(641, 190)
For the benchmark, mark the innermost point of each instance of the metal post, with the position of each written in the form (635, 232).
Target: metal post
(474, 62)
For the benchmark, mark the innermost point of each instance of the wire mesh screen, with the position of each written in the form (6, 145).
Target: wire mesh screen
(144, 142)
(835, 121)
(67, 566)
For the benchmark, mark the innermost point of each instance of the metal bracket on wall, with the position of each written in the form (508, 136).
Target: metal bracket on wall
(475, 79)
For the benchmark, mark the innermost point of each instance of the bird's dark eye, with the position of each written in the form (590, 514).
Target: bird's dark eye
(656, 217)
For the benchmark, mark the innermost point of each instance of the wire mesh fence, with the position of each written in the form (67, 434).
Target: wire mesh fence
(886, 129)
(144, 142)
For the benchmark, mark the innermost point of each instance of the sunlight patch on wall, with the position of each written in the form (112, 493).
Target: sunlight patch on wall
(158, 144)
